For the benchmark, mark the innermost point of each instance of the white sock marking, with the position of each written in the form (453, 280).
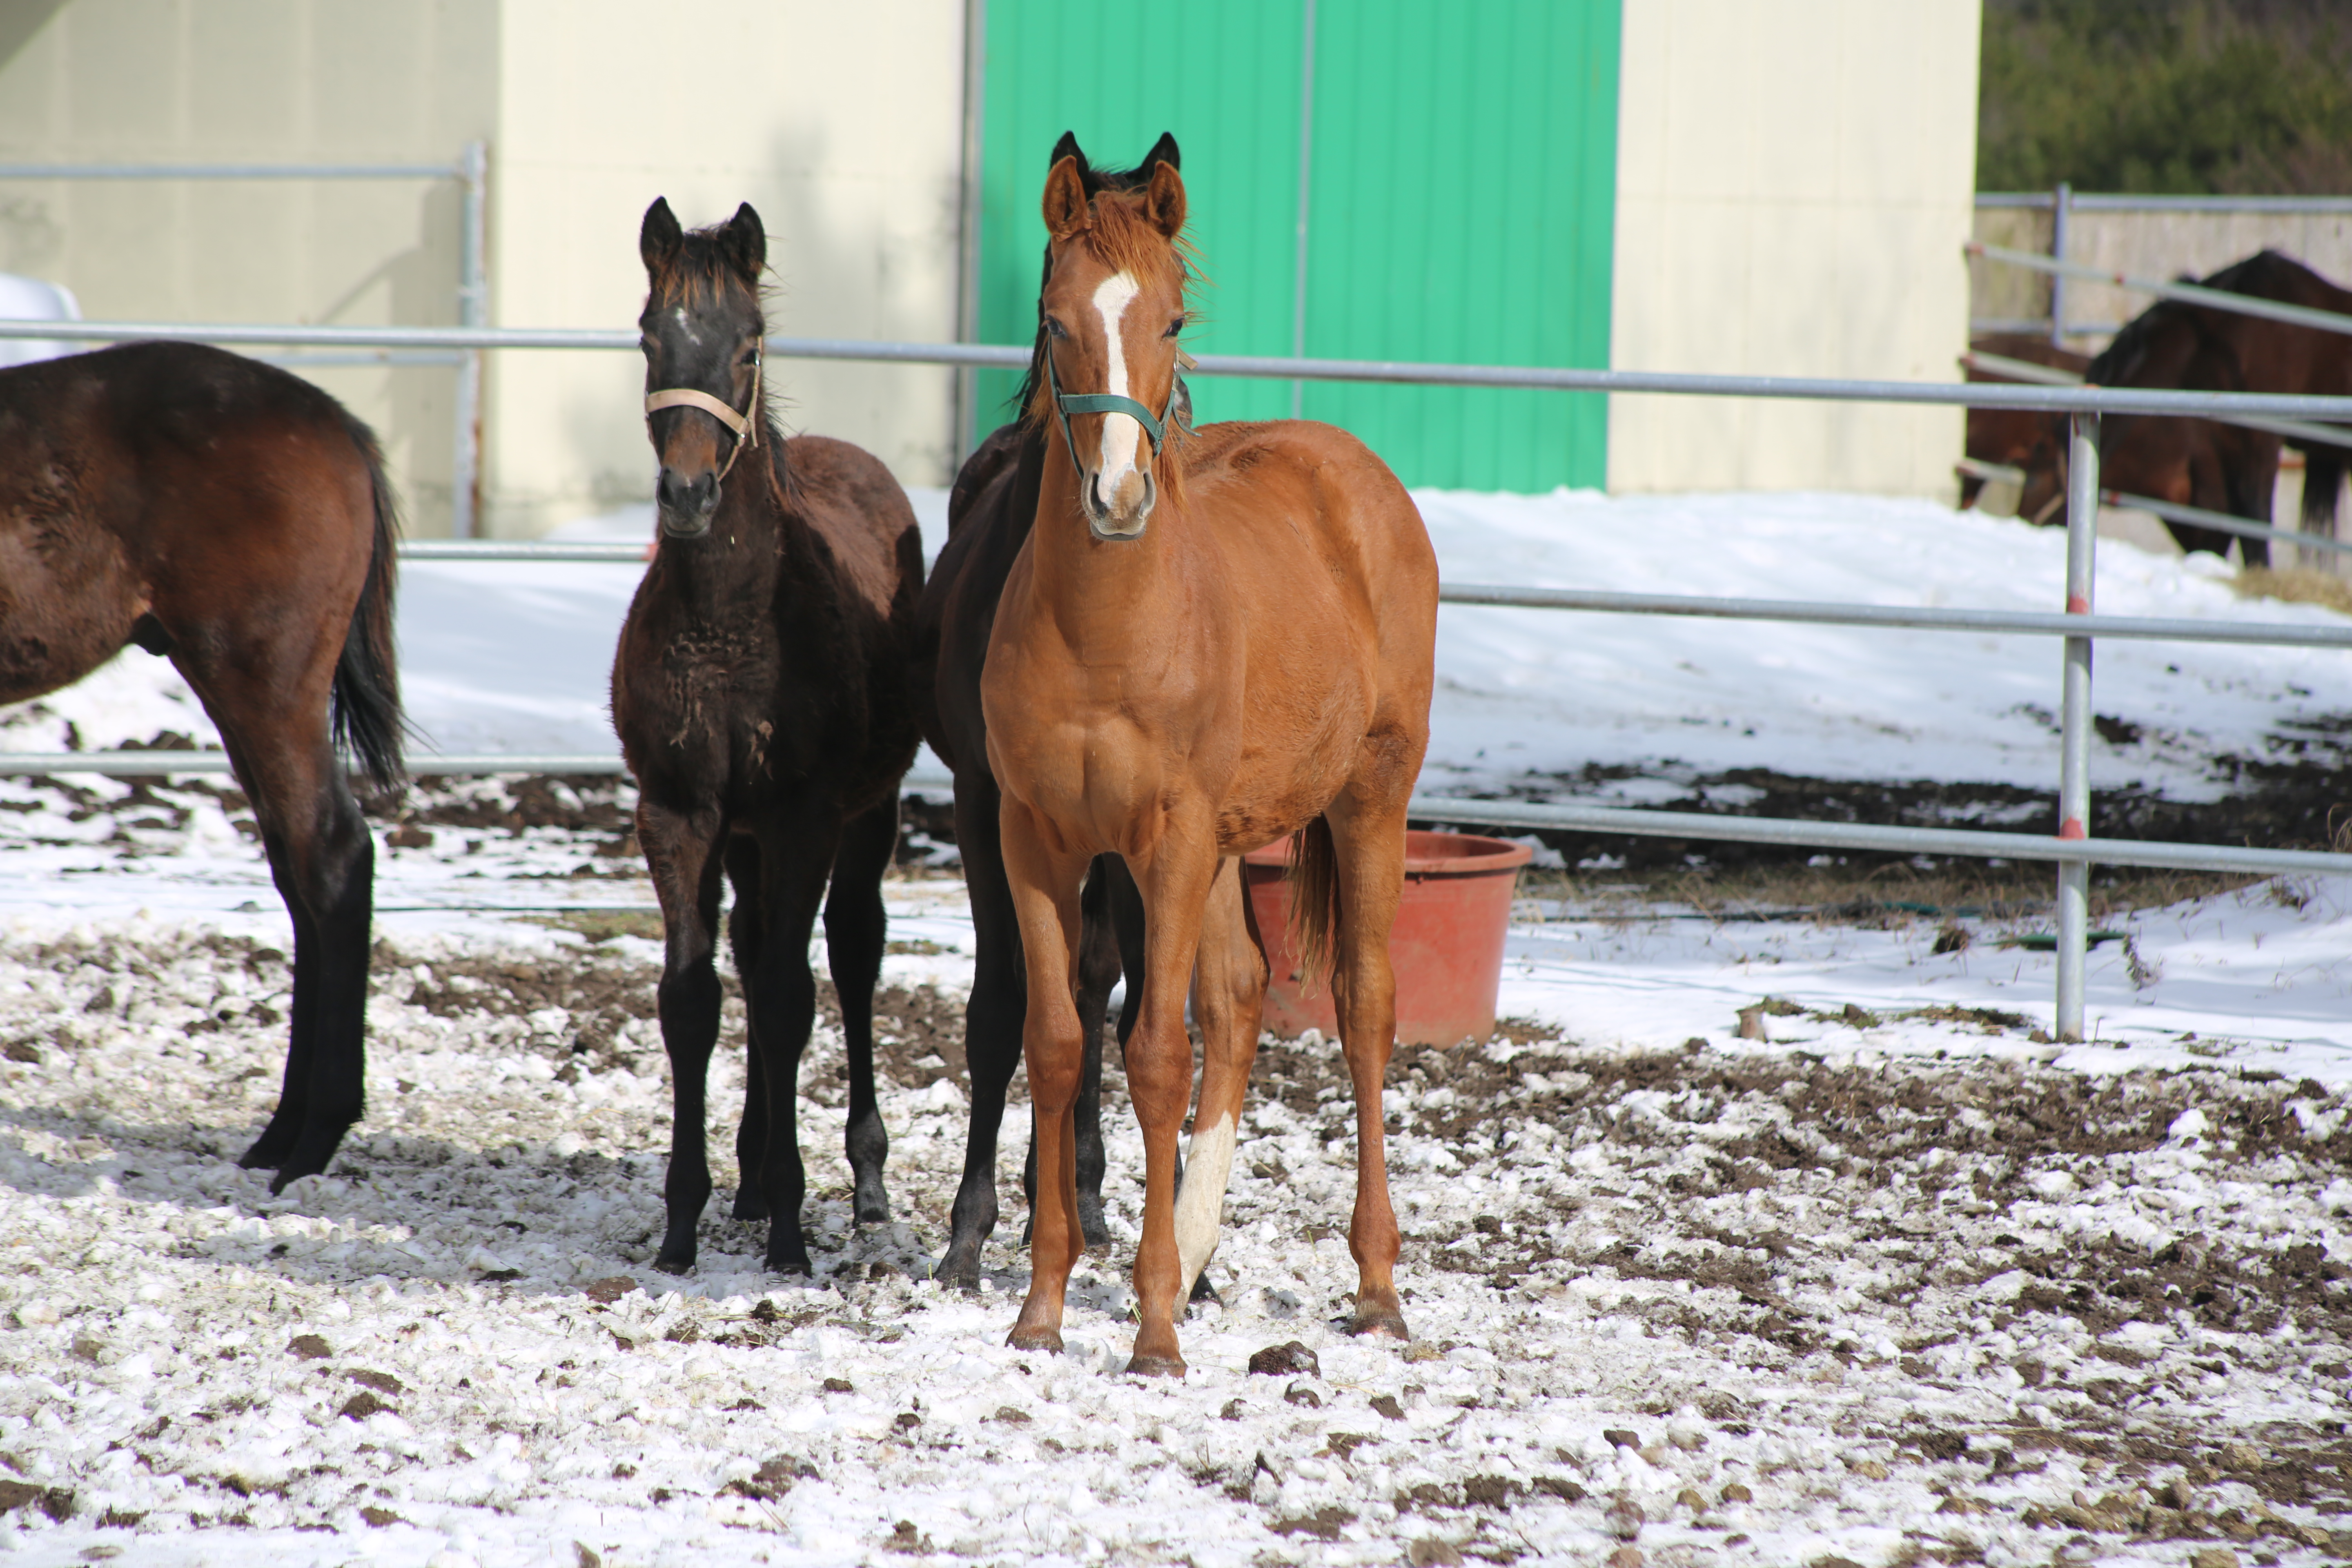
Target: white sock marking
(1120, 431)
(1200, 1206)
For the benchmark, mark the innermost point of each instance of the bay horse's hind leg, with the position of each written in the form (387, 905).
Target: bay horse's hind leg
(742, 862)
(682, 855)
(323, 863)
(1368, 845)
(855, 932)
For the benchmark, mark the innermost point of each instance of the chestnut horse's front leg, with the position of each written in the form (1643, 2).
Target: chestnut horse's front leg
(1045, 881)
(1229, 976)
(1176, 887)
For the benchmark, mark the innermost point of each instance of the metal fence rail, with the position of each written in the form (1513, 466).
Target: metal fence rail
(2030, 374)
(2188, 293)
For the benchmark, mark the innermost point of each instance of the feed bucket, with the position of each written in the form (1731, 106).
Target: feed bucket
(1446, 946)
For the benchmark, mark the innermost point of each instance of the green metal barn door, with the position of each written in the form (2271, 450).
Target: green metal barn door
(1464, 199)
(1461, 195)
(1223, 75)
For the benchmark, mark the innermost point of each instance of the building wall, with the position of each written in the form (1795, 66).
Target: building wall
(1794, 184)
(257, 81)
(841, 125)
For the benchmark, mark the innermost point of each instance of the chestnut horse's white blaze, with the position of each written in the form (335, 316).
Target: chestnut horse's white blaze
(1119, 432)
(1200, 1201)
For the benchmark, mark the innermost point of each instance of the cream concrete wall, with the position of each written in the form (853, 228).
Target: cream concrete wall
(1794, 183)
(255, 81)
(841, 125)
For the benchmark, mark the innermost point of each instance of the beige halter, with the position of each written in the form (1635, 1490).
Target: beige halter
(746, 426)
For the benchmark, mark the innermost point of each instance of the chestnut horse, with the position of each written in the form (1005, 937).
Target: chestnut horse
(762, 691)
(1210, 641)
(235, 519)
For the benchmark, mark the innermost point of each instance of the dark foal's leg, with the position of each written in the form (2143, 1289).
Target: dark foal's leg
(682, 853)
(796, 852)
(1098, 969)
(991, 1023)
(855, 926)
(742, 860)
(323, 862)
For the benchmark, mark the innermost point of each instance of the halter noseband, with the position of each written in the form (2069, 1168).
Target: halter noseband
(745, 425)
(1069, 403)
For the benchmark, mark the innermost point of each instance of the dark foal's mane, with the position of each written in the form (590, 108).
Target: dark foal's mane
(708, 271)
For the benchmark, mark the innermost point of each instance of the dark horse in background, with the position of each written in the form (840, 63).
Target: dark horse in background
(2010, 435)
(2201, 462)
(763, 694)
(989, 513)
(236, 519)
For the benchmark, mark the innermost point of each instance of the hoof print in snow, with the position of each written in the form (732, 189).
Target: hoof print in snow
(377, 1517)
(309, 1347)
(1299, 1393)
(363, 1404)
(381, 1382)
(1560, 1486)
(842, 1385)
(1618, 1438)
(1388, 1407)
(1433, 1553)
(1490, 1491)
(1286, 1360)
(1323, 1524)
(604, 1292)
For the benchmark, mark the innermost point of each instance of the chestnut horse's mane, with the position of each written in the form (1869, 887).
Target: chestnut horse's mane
(1123, 240)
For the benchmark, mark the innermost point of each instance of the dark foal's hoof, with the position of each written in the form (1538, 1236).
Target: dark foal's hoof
(1091, 1224)
(1205, 1292)
(1386, 1321)
(269, 1150)
(1156, 1366)
(750, 1204)
(1047, 1340)
(669, 1262)
(958, 1267)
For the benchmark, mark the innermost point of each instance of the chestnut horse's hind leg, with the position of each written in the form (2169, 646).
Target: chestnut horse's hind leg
(1229, 979)
(743, 936)
(992, 1025)
(682, 854)
(1368, 842)
(855, 930)
(323, 863)
(796, 851)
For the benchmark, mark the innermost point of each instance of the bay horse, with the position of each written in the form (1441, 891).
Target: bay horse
(991, 510)
(236, 519)
(2013, 437)
(2201, 462)
(763, 695)
(1211, 640)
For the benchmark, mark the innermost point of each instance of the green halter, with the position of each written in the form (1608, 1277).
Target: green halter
(1069, 403)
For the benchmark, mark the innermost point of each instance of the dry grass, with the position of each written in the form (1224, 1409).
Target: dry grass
(1872, 892)
(2296, 584)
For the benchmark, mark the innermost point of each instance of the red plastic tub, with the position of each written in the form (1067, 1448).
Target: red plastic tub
(1446, 946)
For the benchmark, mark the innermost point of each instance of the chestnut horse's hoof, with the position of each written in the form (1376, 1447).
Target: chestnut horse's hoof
(1378, 1319)
(1036, 1339)
(1156, 1366)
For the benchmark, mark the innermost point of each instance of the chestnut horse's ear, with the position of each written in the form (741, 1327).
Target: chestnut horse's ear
(1164, 152)
(1163, 200)
(1067, 147)
(660, 237)
(1064, 207)
(747, 242)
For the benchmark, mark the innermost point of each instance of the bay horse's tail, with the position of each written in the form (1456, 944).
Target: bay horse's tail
(1313, 876)
(2323, 476)
(366, 712)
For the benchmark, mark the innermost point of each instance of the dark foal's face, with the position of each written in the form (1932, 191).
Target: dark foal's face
(701, 333)
(1113, 308)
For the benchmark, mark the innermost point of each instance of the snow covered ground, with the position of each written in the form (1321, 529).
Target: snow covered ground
(1898, 1281)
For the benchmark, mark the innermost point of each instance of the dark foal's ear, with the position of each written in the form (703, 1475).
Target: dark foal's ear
(659, 237)
(747, 242)
(1164, 152)
(1064, 205)
(1163, 200)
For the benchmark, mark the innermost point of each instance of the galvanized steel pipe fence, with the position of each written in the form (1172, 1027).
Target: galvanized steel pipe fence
(2071, 848)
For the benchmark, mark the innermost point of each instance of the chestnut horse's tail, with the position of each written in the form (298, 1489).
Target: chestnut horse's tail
(367, 710)
(2323, 476)
(1313, 876)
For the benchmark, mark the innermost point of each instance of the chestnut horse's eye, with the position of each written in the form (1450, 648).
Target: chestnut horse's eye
(1175, 327)
(1055, 328)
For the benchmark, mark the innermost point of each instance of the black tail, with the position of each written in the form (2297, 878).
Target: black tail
(367, 719)
(2323, 476)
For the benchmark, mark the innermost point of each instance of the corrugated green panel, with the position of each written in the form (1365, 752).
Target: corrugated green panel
(1223, 75)
(1464, 199)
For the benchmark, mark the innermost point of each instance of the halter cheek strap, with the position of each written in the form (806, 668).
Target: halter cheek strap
(1069, 403)
(745, 426)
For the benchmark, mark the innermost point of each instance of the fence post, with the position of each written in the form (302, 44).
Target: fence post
(2074, 724)
(473, 289)
(2062, 206)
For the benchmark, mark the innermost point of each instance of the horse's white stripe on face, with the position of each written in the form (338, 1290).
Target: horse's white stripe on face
(1120, 432)
(1201, 1206)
